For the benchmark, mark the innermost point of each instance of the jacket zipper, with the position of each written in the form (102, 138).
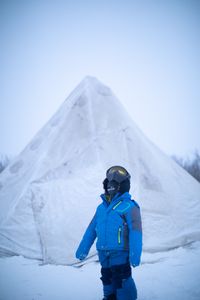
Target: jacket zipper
(119, 235)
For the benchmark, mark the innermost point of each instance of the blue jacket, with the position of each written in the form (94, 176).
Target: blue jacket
(117, 226)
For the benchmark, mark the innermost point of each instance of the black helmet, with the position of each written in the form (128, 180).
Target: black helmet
(117, 180)
(117, 174)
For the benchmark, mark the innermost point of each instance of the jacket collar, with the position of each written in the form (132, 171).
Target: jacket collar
(117, 198)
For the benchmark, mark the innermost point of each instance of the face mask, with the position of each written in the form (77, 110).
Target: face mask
(112, 188)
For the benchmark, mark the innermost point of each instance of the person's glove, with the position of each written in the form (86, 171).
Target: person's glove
(80, 255)
(135, 261)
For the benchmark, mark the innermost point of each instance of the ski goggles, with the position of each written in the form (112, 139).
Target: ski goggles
(118, 174)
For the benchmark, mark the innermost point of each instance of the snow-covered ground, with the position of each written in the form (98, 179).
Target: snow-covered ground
(172, 275)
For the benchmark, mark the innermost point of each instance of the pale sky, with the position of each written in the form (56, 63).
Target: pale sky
(147, 52)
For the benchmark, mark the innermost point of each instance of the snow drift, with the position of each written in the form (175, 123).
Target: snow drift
(50, 191)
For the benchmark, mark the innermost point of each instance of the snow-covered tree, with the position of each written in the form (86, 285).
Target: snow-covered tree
(191, 165)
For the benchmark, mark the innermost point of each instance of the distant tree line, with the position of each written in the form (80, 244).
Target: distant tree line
(191, 165)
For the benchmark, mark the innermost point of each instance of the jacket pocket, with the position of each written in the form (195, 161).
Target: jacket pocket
(119, 236)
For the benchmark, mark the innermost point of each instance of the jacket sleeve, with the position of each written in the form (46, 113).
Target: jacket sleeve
(87, 240)
(134, 223)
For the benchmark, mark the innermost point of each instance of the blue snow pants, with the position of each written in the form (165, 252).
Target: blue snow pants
(116, 275)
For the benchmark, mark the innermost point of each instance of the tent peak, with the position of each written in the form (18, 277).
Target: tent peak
(91, 82)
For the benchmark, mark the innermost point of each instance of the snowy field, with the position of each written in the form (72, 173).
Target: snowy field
(173, 275)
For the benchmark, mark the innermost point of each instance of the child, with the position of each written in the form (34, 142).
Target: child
(117, 227)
